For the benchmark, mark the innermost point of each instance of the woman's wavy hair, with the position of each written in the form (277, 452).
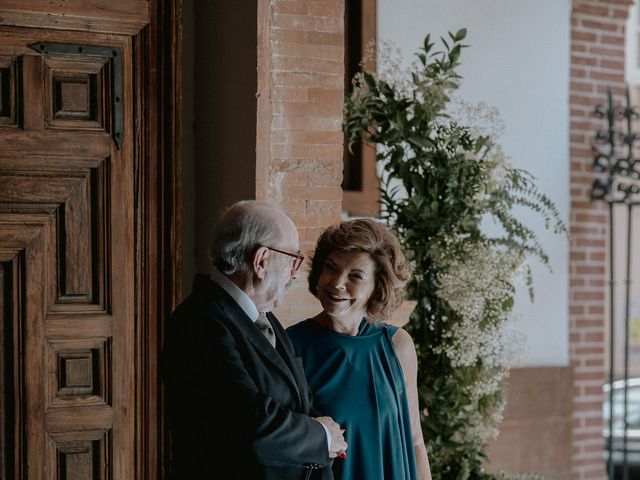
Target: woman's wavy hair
(392, 270)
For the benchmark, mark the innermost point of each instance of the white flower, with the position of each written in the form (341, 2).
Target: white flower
(476, 288)
(476, 284)
(482, 119)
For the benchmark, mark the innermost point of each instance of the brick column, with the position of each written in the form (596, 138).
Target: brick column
(597, 62)
(300, 141)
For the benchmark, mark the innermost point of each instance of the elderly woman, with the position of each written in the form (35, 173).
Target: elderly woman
(363, 371)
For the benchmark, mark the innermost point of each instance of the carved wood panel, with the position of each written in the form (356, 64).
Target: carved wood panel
(66, 263)
(81, 456)
(7, 91)
(75, 90)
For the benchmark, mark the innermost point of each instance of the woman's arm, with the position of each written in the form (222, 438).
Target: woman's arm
(406, 352)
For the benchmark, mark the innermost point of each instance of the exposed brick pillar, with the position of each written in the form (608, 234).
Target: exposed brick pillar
(299, 137)
(597, 62)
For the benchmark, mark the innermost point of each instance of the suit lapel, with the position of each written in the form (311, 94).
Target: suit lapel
(264, 347)
(232, 312)
(295, 363)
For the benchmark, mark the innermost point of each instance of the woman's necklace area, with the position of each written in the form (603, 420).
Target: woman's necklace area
(338, 326)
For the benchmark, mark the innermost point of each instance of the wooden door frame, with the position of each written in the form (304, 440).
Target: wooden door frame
(365, 199)
(158, 192)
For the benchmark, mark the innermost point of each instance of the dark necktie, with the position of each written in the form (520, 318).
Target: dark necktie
(265, 327)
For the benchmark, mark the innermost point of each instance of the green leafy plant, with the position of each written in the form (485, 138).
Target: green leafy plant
(440, 180)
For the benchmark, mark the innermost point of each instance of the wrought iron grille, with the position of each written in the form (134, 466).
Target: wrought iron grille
(618, 184)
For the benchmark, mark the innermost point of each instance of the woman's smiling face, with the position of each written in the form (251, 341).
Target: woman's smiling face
(346, 283)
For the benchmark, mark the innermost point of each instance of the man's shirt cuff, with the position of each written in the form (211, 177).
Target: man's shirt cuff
(326, 430)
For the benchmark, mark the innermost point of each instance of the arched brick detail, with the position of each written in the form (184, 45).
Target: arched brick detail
(597, 63)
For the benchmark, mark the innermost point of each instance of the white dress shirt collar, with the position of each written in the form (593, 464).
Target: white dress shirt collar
(241, 298)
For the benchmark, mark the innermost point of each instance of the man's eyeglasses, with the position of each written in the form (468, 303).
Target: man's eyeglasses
(298, 258)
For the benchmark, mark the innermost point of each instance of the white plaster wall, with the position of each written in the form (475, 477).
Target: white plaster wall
(518, 61)
(632, 58)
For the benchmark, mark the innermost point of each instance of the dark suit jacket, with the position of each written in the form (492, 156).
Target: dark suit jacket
(237, 408)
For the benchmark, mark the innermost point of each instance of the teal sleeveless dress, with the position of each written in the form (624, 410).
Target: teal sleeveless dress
(358, 381)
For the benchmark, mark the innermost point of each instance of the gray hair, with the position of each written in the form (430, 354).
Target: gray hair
(241, 229)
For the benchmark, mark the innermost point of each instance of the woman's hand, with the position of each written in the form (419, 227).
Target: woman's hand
(337, 444)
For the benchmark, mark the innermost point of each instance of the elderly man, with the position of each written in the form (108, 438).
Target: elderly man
(238, 403)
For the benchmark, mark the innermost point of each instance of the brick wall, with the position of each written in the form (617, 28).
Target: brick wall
(300, 141)
(597, 62)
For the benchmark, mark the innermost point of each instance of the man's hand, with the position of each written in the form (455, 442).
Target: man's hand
(337, 445)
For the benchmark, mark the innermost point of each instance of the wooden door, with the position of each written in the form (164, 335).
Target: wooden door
(68, 285)
(89, 245)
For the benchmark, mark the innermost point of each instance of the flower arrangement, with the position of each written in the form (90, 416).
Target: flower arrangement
(442, 175)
